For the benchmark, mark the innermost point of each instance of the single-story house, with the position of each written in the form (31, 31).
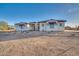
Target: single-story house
(47, 25)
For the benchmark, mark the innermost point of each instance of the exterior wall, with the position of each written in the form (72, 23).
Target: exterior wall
(56, 27)
(18, 28)
(41, 27)
(36, 27)
(24, 28)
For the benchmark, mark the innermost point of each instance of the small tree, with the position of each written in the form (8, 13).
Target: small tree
(3, 25)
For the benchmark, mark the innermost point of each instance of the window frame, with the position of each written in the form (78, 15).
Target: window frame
(51, 25)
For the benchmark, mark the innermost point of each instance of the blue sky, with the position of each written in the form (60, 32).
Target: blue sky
(30, 12)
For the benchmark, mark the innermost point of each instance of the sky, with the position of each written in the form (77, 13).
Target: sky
(34, 12)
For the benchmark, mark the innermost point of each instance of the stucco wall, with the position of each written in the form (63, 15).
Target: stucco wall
(42, 27)
(57, 27)
(24, 28)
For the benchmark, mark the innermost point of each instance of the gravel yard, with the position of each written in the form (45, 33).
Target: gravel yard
(39, 44)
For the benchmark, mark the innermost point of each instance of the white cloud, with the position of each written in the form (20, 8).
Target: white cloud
(72, 10)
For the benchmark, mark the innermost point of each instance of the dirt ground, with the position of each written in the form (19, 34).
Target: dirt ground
(39, 44)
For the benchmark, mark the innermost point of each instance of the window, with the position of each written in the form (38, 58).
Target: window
(60, 24)
(51, 25)
(42, 25)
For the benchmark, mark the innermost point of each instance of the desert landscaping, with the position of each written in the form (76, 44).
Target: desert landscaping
(36, 43)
